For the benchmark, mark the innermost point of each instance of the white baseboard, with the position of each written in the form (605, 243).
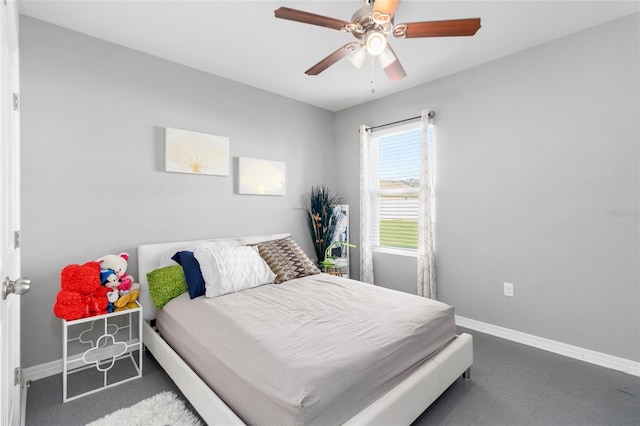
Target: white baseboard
(582, 354)
(41, 371)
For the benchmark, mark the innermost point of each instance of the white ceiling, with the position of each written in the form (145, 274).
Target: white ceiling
(243, 41)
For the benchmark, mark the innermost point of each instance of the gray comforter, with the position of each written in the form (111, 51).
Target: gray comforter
(312, 351)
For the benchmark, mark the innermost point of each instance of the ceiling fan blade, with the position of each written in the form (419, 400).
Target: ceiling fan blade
(331, 59)
(385, 6)
(309, 18)
(451, 28)
(391, 65)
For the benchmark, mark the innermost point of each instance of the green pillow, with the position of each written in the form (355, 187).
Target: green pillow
(165, 284)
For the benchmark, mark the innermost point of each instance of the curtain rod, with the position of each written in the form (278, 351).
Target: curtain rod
(431, 114)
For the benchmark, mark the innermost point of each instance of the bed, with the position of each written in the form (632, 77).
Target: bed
(291, 382)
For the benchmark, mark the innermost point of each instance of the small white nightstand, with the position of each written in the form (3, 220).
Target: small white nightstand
(100, 352)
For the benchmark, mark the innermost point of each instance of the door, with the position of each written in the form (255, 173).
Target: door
(10, 389)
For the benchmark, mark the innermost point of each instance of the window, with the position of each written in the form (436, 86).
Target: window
(395, 182)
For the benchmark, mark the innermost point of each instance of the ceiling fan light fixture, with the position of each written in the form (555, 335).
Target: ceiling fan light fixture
(357, 57)
(386, 57)
(375, 42)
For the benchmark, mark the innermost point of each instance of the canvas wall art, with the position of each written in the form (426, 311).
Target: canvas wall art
(194, 152)
(261, 177)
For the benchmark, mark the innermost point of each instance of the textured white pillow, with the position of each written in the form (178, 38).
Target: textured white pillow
(231, 269)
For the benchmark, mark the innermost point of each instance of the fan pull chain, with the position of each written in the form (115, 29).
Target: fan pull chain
(373, 89)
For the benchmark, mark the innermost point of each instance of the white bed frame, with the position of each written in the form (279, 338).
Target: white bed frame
(400, 406)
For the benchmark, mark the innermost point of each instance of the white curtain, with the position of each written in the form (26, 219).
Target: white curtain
(426, 264)
(366, 256)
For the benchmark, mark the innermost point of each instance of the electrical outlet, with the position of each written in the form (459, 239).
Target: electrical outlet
(508, 289)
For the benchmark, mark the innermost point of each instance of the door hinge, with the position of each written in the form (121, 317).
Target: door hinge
(17, 374)
(16, 240)
(16, 101)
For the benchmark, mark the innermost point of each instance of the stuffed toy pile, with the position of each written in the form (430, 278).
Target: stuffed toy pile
(95, 288)
(113, 275)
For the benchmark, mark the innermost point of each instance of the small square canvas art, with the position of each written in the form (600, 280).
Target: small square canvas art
(197, 153)
(261, 177)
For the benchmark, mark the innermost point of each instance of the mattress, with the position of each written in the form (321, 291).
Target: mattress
(310, 351)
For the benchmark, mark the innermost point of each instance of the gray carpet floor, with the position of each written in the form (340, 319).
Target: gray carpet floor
(511, 384)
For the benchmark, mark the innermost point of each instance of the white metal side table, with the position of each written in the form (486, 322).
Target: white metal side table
(100, 352)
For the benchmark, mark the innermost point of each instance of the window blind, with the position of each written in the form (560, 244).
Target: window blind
(396, 179)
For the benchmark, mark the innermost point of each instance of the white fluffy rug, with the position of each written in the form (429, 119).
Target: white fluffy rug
(162, 409)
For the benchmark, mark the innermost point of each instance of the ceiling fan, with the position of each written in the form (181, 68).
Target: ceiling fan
(371, 25)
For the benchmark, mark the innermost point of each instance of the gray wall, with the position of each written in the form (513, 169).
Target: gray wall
(533, 153)
(93, 183)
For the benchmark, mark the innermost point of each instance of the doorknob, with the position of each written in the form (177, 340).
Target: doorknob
(19, 286)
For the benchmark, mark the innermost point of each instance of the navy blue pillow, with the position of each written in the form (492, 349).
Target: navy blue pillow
(192, 273)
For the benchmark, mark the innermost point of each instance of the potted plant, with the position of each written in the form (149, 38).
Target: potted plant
(322, 218)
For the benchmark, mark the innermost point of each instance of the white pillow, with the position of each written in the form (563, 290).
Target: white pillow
(231, 269)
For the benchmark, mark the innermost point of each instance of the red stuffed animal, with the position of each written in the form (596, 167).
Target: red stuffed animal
(81, 294)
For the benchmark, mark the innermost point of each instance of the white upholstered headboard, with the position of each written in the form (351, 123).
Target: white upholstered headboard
(154, 256)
